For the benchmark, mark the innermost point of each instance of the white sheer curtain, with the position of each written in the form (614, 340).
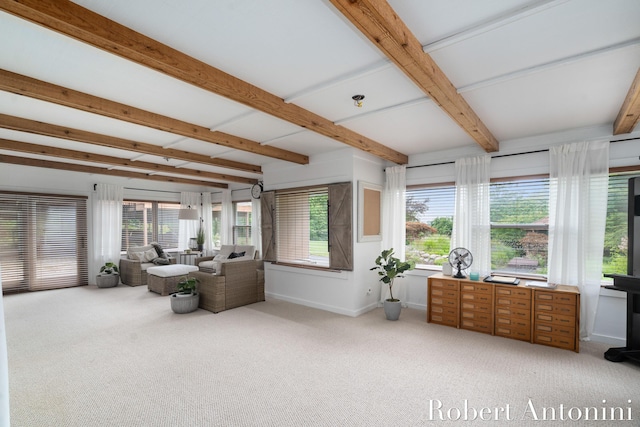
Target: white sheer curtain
(188, 229)
(256, 229)
(579, 177)
(393, 224)
(226, 219)
(207, 222)
(107, 225)
(471, 221)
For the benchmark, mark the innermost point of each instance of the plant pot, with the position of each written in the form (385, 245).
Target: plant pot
(392, 309)
(184, 303)
(107, 280)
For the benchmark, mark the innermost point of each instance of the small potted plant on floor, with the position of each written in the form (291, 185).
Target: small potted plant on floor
(391, 268)
(108, 276)
(186, 299)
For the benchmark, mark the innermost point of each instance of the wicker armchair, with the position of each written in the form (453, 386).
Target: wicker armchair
(239, 283)
(133, 272)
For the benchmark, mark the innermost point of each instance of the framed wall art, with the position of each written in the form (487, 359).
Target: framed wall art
(369, 212)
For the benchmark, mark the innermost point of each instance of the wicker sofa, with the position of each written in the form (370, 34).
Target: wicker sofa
(234, 285)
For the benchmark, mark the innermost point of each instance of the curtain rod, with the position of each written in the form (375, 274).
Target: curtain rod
(95, 186)
(509, 155)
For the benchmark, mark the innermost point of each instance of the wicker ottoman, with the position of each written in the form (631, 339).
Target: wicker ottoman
(164, 279)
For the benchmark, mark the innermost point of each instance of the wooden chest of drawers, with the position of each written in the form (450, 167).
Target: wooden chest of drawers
(555, 317)
(443, 300)
(476, 311)
(513, 312)
(549, 317)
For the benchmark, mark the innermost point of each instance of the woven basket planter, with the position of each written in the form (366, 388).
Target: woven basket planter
(184, 303)
(107, 280)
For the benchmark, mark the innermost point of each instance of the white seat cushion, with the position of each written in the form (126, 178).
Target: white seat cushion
(171, 270)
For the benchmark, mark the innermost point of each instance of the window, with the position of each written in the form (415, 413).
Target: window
(519, 225)
(43, 241)
(216, 223)
(309, 226)
(429, 222)
(616, 237)
(146, 222)
(242, 223)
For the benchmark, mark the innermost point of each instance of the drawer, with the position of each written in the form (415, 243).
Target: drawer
(444, 292)
(524, 304)
(555, 319)
(477, 297)
(476, 325)
(476, 315)
(551, 307)
(513, 322)
(554, 340)
(513, 292)
(443, 319)
(443, 283)
(563, 330)
(513, 312)
(476, 287)
(555, 297)
(523, 334)
(444, 310)
(444, 301)
(476, 306)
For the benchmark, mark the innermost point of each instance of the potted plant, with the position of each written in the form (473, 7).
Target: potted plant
(200, 238)
(390, 268)
(187, 298)
(108, 276)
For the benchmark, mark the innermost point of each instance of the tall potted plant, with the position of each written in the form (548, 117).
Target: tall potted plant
(200, 238)
(391, 268)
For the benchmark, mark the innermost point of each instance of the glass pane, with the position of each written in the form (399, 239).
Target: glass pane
(136, 224)
(216, 222)
(616, 236)
(168, 225)
(429, 222)
(243, 213)
(520, 226)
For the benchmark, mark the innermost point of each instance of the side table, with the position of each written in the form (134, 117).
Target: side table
(188, 258)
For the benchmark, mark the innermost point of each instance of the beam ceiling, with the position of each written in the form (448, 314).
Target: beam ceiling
(380, 24)
(45, 150)
(37, 89)
(82, 24)
(629, 114)
(103, 171)
(40, 128)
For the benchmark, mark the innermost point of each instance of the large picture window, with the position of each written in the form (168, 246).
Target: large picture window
(309, 226)
(43, 241)
(519, 225)
(146, 222)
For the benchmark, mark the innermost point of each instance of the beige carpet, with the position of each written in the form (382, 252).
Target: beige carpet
(120, 357)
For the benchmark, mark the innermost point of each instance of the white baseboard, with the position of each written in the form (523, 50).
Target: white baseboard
(605, 339)
(312, 304)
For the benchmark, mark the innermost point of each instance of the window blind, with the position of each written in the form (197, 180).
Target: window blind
(146, 222)
(302, 218)
(43, 241)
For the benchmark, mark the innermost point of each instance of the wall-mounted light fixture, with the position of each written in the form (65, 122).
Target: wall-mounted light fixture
(357, 100)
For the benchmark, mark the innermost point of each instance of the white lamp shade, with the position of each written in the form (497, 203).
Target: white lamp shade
(188, 214)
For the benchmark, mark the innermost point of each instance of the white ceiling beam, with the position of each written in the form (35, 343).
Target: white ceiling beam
(493, 23)
(547, 66)
(405, 104)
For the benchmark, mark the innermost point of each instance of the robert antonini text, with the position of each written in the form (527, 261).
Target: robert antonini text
(437, 411)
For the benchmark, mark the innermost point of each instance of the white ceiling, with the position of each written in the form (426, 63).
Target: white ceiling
(525, 67)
